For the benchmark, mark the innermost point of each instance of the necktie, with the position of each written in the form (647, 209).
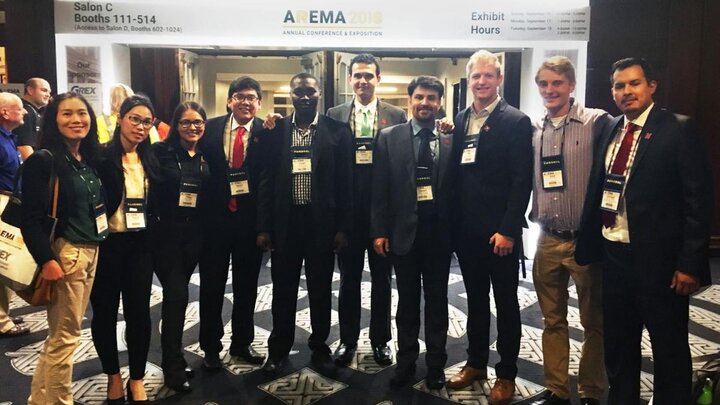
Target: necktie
(619, 166)
(365, 128)
(238, 157)
(425, 158)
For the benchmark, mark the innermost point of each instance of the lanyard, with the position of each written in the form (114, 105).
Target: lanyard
(562, 137)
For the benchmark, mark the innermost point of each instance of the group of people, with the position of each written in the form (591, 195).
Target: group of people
(624, 205)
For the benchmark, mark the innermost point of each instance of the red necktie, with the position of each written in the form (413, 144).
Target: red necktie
(619, 166)
(238, 157)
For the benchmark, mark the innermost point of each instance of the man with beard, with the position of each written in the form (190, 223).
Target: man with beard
(305, 214)
(410, 223)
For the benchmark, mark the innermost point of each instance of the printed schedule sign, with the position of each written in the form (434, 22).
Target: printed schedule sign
(275, 23)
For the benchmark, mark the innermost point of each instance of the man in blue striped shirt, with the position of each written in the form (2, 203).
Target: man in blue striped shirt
(563, 148)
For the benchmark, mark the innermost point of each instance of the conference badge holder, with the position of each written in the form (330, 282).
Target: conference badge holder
(612, 192)
(551, 168)
(135, 214)
(363, 151)
(239, 184)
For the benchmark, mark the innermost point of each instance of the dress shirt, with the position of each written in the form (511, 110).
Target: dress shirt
(561, 209)
(620, 232)
(302, 182)
(229, 135)
(358, 110)
(477, 118)
(9, 159)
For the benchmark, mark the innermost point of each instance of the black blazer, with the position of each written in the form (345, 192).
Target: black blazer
(668, 200)
(394, 189)
(214, 151)
(331, 182)
(493, 193)
(36, 202)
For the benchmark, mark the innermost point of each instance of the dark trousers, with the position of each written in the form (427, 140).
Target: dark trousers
(425, 267)
(629, 303)
(124, 267)
(480, 267)
(176, 249)
(351, 263)
(301, 245)
(233, 237)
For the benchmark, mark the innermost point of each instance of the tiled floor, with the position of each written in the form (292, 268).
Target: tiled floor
(363, 382)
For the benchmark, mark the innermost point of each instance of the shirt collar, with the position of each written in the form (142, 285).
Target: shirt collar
(312, 124)
(417, 126)
(490, 108)
(7, 134)
(370, 108)
(641, 119)
(235, 125)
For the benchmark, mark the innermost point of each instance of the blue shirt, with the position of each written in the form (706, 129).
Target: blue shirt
(9, 159)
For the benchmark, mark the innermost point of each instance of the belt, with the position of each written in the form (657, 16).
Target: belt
(564, 235)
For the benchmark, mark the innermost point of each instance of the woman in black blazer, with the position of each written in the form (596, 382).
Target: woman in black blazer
(125, 264)
(69, 133)
(176, 206)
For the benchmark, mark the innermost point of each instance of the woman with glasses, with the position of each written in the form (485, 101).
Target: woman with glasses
(70, 134)
(176, 208)
(125, 264)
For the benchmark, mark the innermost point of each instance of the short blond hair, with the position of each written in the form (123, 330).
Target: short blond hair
(483, 57)
(118, 93)
(558, 64)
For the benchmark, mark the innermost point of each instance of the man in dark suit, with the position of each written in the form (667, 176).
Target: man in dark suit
(493, 190)
(648, 212)
(410, 222)
(366, 115)
(232, 145)
(305, 212)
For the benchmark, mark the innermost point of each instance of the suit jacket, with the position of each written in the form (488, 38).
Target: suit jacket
(668, 200)
(387, 115)
(331, 182)
(219, 189)
(394, 190)
(493, 193)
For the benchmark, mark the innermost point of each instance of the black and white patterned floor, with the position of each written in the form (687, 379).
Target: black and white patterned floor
(364, 382)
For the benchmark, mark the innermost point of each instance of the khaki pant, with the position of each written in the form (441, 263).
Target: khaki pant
(52, 381)
(5, 322)
(554, 265)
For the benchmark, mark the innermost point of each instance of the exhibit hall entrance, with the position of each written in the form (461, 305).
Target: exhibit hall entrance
(206, 46)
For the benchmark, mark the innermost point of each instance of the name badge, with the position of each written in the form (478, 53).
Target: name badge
(239, 184)
(470, 149)
(612, 192)
(302, 160)
(363, 151)
(189, 190)
(424, 184)
(101, 221)
(551, 168)
(135, 214)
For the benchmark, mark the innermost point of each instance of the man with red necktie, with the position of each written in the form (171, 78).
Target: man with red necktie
(232, 145)
(648, 216)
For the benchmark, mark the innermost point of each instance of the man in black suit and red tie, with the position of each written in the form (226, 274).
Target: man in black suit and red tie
(305, 214)
(410, 222)
(232, 146)
(648, 211)
(493, 191)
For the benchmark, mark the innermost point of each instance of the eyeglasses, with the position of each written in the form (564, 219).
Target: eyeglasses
(242, 97)
(135, 120)
(186, 123)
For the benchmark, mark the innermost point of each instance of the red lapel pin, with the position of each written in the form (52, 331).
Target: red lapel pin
(648, 135)
(486, 128)
(383, 121)
(446, 141)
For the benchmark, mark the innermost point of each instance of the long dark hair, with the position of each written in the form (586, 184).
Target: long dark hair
(115, 149)
(53, 140)
(173, 137)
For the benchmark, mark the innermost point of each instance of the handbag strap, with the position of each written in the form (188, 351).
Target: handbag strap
(56, 189)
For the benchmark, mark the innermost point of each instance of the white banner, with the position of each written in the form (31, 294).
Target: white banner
(276, 24)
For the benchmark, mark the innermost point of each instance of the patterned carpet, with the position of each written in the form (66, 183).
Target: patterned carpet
(364, 382)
